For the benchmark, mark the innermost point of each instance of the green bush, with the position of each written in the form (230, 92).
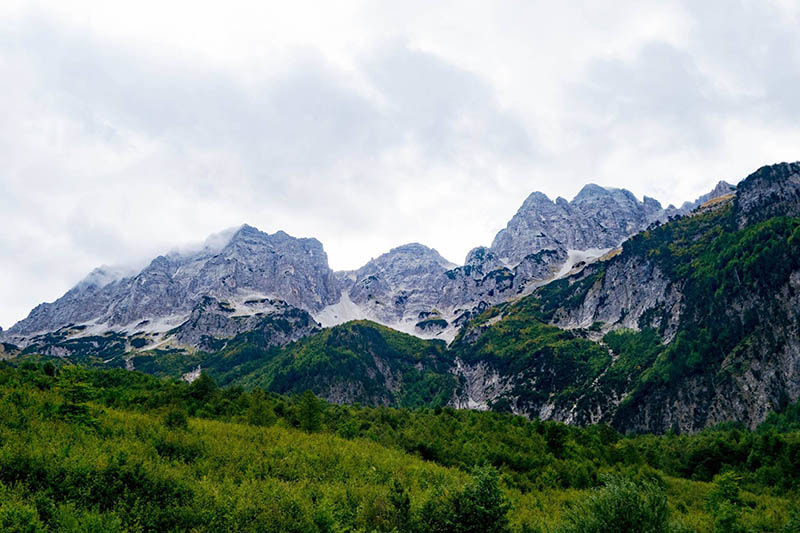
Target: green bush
(724, 503)
(176, 419)
(480, 507)
(310, 412)
(621, 505)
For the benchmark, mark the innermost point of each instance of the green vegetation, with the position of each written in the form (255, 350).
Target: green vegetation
(357, 362)
(728, 278)
(110, 450)
(622, 505)
(553, 361)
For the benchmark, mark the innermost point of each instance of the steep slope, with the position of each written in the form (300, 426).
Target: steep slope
(403, 282)
(689, 323)
(596, 218)
(197, 299)
(710, 302)
(413, 289)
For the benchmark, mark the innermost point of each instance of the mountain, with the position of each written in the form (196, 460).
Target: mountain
(693, 323)
(197, 299)
(183, 298)
(413, 289)
(596, 218)
(687, 324)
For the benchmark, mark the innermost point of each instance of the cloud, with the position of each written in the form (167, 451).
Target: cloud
(660, 90)
(125, 154)
(129, 131)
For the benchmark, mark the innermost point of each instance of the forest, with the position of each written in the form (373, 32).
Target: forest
(110, 450)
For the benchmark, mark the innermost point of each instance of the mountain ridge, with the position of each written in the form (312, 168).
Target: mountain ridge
(687, 324)
(394, 298)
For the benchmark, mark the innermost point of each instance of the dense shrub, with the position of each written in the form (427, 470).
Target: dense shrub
(621, 505)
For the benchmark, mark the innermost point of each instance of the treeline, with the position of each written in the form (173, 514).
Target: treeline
(127, 451)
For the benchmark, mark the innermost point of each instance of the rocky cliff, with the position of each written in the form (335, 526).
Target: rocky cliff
(698, 318)
(413, 289)
(185, 297)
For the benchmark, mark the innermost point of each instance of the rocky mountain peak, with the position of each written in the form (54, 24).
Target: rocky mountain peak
(231, 266)
(104, 275)
(591, 191)
(536, 199)
(768, 192)
(596, 218)
(479, 256)
(248, 233)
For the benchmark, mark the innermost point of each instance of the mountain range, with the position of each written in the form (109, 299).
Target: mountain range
(599, 309)
(411, 288)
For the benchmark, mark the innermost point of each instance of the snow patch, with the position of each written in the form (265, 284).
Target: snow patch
(160, 324)
(346, 310)
(342, 311)
(576, 256)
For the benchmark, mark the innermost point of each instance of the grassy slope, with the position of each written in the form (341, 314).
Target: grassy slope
(92, 448)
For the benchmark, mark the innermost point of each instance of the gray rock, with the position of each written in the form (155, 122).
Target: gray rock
(768, 192)
(250, 264)
(401, 283)
(596, 218)
(274, 323)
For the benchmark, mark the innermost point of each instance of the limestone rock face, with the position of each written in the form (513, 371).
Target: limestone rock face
(274, 323)
(414, 289)
(630, 290)
(248, 266)
(596, 218)
(768, 192)
(403, 282)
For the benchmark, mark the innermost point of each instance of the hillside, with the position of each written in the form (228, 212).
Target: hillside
(116, 450)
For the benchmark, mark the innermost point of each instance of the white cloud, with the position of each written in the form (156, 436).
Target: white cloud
(129, 130)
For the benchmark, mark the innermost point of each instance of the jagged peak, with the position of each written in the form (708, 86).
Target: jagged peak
(412, 248)
(415, 251)
(590, 190)
(770, 172)
(246, 232)
(536, 198)
(479, 255)
(651, 203)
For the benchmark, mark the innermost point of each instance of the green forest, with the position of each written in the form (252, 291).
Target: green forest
(110, 450)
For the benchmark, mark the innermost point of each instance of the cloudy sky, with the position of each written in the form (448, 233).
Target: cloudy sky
(126, 131)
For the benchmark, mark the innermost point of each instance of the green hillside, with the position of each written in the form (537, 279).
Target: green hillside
(107, 450)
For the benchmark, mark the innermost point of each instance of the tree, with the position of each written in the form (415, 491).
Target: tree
(482, 506)
(203, 389)
(310, 412)
(176, 419)
(259, 412)
(49, 369)
(401, 503)
(724, 504)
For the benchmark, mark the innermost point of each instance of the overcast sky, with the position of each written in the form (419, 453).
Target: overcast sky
(126, 131)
